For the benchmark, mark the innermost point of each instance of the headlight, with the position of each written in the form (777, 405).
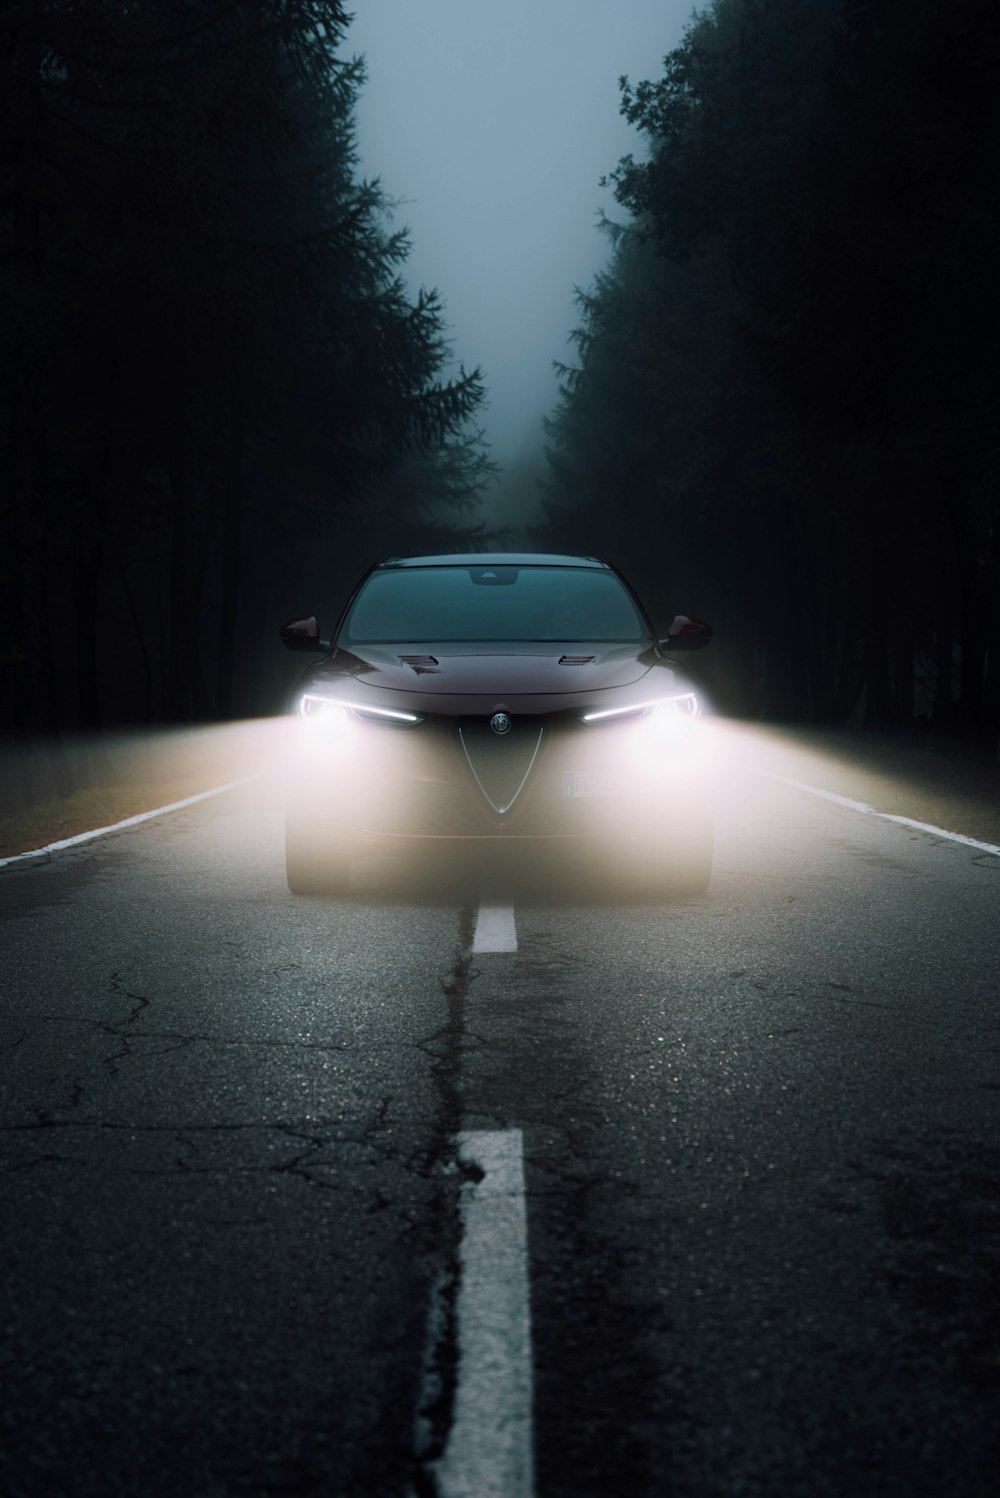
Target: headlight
(667, 719)
(670, 722)
(331, 715)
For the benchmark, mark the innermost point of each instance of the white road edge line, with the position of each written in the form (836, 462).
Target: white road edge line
(886, 816)
(953, 837)
(495, 930)
(143, 816)
(490, 1450)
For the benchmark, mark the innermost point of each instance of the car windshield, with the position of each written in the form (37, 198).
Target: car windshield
(409, 605)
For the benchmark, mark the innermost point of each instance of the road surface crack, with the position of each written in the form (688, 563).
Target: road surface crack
(140, 1000)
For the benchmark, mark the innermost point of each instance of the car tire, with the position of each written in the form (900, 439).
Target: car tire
(314, 865)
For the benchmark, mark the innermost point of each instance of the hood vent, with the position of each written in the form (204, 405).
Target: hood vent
(576, 660)
(419, 662)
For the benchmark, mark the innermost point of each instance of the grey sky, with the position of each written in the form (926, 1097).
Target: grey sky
(494, 120)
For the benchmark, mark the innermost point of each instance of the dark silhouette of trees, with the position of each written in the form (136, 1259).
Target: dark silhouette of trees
(214, 380)
(806, 324)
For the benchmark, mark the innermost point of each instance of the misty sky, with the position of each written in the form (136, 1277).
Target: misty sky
(494, 120)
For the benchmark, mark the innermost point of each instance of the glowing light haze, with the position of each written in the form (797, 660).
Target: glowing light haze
(494, 122)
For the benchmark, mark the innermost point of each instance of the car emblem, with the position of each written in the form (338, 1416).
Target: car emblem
(500, 723)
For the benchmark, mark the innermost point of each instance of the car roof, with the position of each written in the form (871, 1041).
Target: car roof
(495, 559)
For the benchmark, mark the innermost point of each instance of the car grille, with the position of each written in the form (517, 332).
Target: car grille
(500, 764)
(435, 809)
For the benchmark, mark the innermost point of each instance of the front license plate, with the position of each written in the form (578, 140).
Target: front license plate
(578, 783)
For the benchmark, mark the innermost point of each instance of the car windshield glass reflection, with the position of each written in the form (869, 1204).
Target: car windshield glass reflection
(514, 604)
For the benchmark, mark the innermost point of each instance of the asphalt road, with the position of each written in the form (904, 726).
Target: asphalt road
(761, 1160)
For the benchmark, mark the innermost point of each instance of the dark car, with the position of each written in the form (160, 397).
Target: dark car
(474, 700)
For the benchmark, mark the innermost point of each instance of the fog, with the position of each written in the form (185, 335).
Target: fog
(493, 125)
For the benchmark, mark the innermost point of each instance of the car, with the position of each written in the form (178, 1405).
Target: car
(498, 699)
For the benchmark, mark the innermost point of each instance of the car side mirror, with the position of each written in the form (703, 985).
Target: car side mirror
(687, 633)
(303, 634)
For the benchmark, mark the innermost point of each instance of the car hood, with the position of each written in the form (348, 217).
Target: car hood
(521, 670)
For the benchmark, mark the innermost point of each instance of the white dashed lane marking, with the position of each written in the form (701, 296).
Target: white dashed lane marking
(489, 1453)
(495, 929)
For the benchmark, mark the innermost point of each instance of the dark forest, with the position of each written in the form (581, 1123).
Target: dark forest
(784, 407)
(219, 398)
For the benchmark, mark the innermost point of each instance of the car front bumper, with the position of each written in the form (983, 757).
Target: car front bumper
(445, 783)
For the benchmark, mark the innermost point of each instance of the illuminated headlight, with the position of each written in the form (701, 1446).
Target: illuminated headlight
(331, 715)
(670, 722)
(668, 719)
(326, 720)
